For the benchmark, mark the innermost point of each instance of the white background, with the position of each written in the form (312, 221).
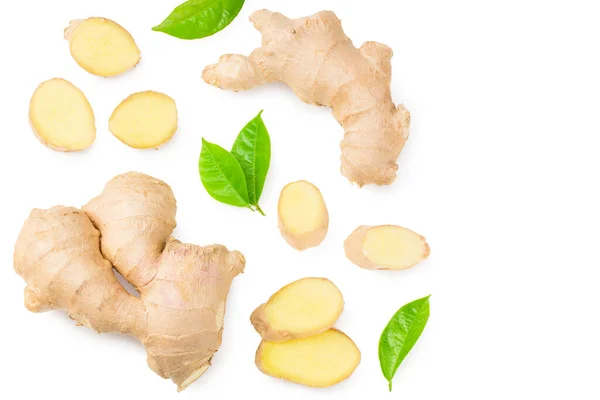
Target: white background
(500, 174)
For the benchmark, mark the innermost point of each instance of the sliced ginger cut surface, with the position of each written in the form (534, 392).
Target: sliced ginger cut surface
(318, 361)
(145, 120)
(305, 306)
(61, 116)
(102, 47)
(386, 247)
(302, 308)
(394, 247)
(303, 216)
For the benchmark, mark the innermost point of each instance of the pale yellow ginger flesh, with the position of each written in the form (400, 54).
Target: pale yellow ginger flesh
(314, 57)
(101, 46)
(61, 116)
(67, 255)
(386, 247)
(303, 216)
(302, 308)
(318, 361)
(144, 120)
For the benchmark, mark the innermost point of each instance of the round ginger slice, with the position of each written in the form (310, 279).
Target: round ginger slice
(303, 308)
(61, 116)
(102, 47)
(144, 120)
(385, 247)
(317, 361)
(303, 216)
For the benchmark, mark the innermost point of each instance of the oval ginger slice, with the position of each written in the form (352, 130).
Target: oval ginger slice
(61, 116)
(102, 47)
(303, 308)
(385, 247)
(303, 216)
(317, 361)
(144, 120)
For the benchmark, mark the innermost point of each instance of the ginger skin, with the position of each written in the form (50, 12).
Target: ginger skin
(65, 254)
(314, 57)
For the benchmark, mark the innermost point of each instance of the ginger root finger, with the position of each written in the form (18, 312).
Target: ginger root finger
(303, 216)
(136, 215)
(144, 120)
(57, 254)
(303, 308)
(65, 255)
(318, 361)
(101, 46)
(385, 247)
(61, 116)
(314, 57)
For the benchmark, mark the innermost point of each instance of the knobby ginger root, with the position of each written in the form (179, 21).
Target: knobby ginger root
(386, 247)
(101, 46)
(302, 308)
(318, 361)
(65, 255)
(318, 61)
(144, 120)
(61, 116)
(303, 216)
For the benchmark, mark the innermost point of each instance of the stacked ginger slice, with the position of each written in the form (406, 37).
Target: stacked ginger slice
(299, 342)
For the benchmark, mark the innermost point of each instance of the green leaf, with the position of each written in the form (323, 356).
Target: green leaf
(401, 334)
(222, 175)
(252, 149)
(196, 19)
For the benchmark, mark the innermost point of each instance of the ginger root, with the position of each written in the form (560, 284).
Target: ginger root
(318, 361)
(301, 309)
(303, 216)
(386, 247)
(61, 116)
(65, 255)
(144, 120)
(318, 61)
(101, 46)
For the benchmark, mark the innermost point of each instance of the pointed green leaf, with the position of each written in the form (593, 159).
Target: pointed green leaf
(401, 334)
(252, 149)
(196, 19)
(222, 175)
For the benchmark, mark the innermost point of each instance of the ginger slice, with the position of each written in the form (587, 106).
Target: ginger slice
(101, 46)
(318, 361)
(61, 116)
(386, 247)
(144, 120)
(303, 216)
(303, 308)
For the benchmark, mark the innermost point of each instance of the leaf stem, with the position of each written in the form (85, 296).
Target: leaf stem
(259, 210)
(390, 385)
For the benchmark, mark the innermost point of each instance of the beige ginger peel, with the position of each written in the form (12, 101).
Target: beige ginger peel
(314, 57)
(66, 256)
